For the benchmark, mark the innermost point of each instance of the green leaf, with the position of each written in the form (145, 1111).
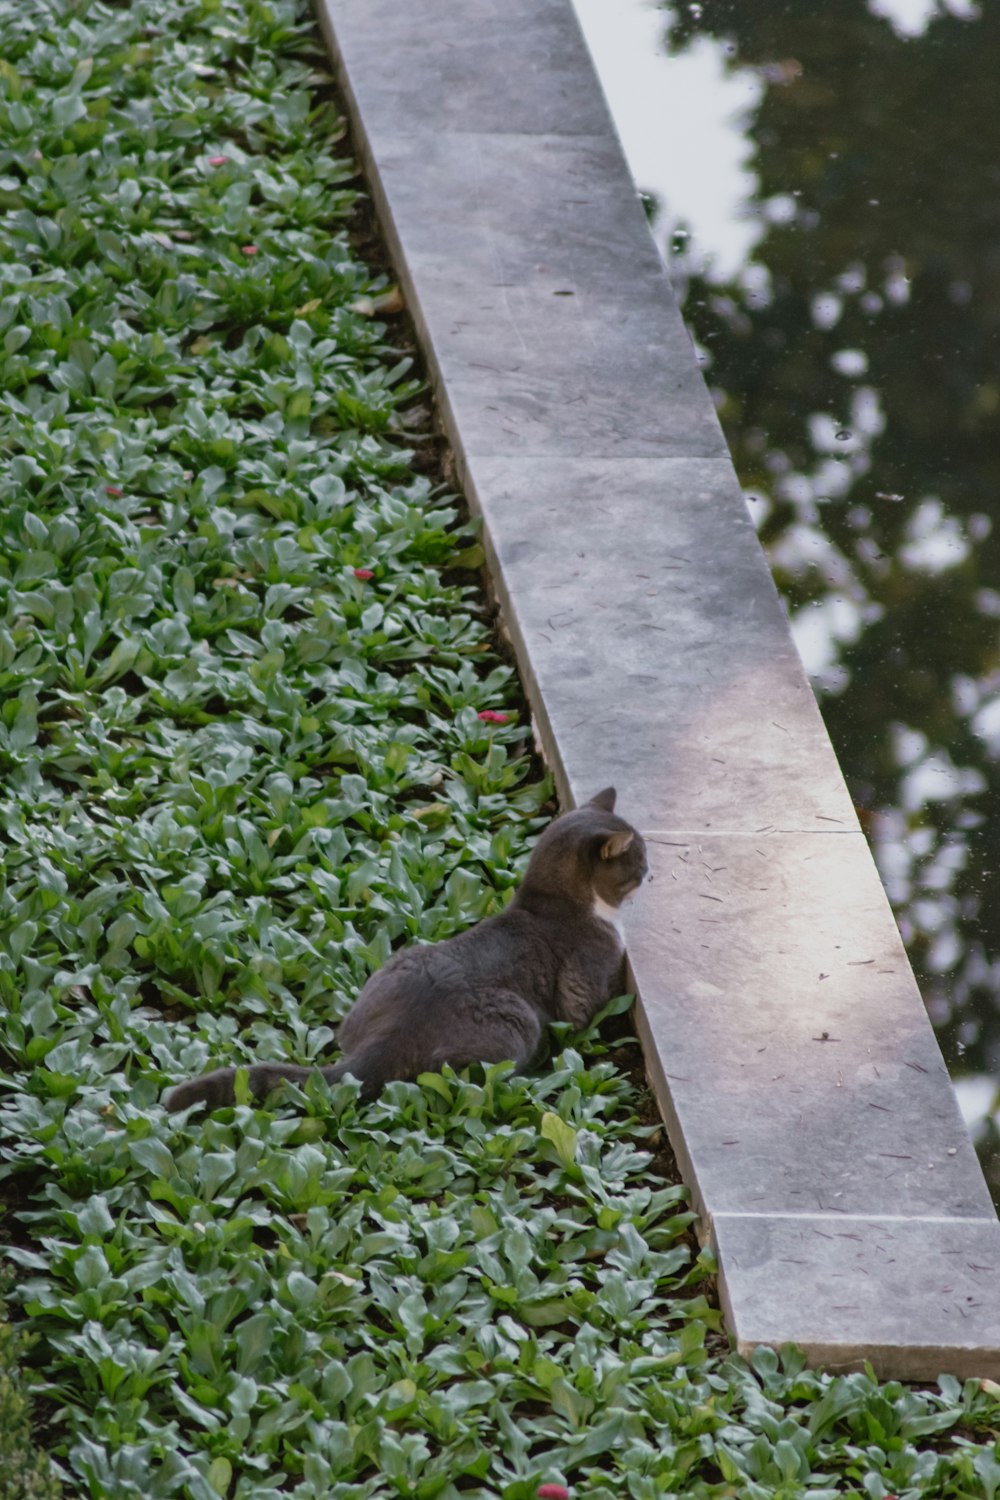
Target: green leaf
(483, 1222)
(67, 108)
(253, 1341)
(220, 1475)
(155, 1156)
(95, 1217)
(437, 1085)
(987, 1470)
(91, 1268)
(301, 1289)
(562, 1136)
(24, 731)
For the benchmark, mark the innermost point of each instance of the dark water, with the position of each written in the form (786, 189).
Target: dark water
(858, 381)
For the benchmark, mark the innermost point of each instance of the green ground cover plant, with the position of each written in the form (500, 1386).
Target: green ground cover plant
(243, 673)
(25, 1473)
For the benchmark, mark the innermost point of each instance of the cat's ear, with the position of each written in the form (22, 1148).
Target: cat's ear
(605, 800)
(617, 844)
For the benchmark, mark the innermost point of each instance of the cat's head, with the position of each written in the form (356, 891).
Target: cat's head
(589, 853)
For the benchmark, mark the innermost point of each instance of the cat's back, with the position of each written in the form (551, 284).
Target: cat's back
(514, 951)
(511, 945)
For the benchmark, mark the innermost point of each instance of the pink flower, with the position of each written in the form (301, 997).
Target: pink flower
(249, 249)
(490, 716)
(112, 489)
(364, 574)
(217, 161)
(553, 1492)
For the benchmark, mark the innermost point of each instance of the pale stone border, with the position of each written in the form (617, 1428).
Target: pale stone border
(800, 1080)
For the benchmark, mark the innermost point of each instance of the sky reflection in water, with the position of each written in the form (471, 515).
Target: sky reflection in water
(827, 185)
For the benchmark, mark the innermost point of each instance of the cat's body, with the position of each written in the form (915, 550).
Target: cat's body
(486, 995)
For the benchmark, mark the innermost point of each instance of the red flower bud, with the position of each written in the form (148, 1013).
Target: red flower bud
(364, 574)
(249, 249)
(217, 161)
(112, 489)
(553, 1492)
(491, 716)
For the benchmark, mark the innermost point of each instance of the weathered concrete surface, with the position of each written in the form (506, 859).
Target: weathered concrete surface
(921, 1291)
(529, 239)
(801, 1061)
(797, 1072)
(660, 656)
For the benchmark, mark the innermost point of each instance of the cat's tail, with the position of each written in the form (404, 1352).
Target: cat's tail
(219, 1088)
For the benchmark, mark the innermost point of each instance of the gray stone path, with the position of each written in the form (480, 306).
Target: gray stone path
(799, 1077)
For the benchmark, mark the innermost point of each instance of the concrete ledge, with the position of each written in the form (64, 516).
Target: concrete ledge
(529, 237)
(656, 654)
(796, 1052)
(815, 1281)
(478, 65)
(797, 1072)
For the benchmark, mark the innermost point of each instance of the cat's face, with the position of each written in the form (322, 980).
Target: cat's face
(591, 853)
(621, 867)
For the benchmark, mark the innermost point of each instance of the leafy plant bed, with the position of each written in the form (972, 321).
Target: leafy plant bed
(25, 1473)
(254, 733)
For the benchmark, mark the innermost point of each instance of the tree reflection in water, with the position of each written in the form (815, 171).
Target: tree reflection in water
(857, 370)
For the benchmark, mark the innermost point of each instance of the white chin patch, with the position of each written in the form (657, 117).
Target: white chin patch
(610, 914)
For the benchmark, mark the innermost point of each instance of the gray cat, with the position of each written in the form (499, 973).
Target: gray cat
(554, 954)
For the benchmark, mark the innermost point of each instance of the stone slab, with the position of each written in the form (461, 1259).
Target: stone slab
(539, 344)
(794, 1052)
(660, 657)
(784, 1035)
(552, 216)
(912, 1296)
(484, 65)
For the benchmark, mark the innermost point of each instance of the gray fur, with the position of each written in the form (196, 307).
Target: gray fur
(485, 995)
